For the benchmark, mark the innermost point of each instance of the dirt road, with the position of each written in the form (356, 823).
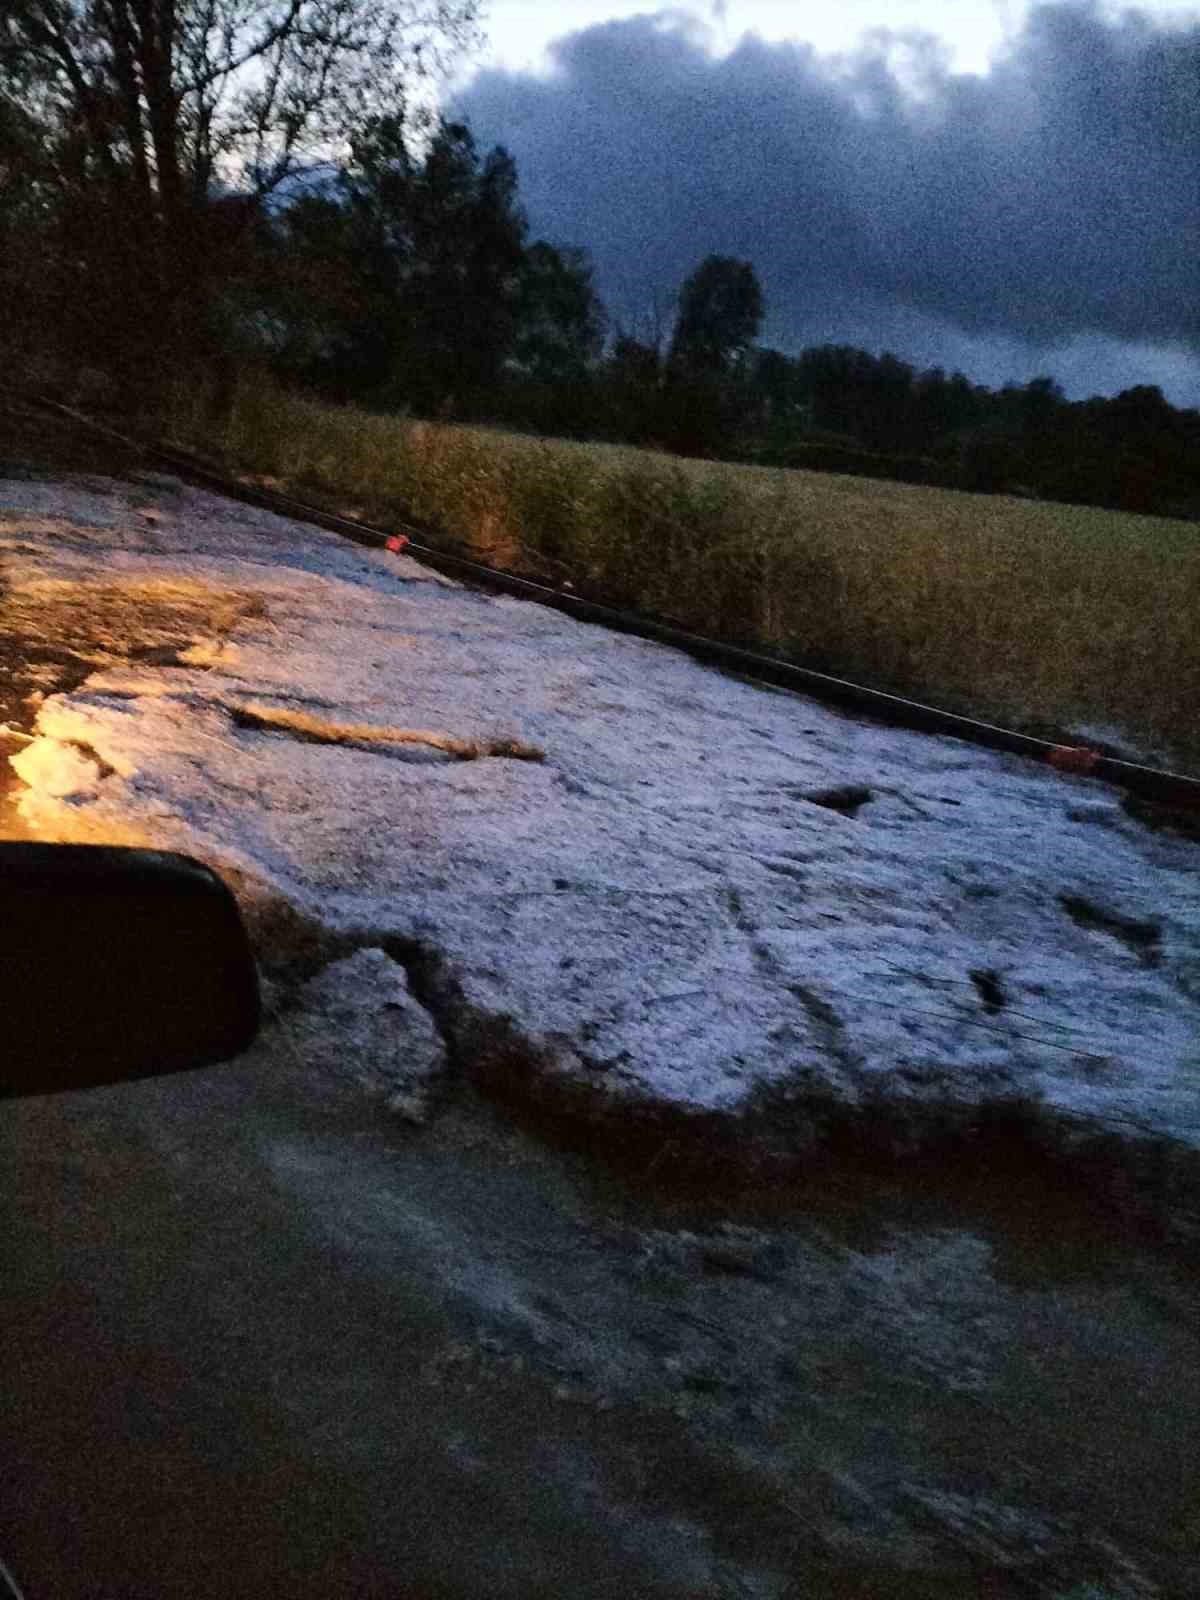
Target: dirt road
(259, 1340)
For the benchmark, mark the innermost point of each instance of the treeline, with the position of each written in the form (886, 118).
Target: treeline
(836, 408)
(146, 239)
(407, 281)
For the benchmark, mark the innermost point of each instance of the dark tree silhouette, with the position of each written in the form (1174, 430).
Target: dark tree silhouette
(720, 313)
(560, 322)
(461, 238)
(632, 383)
(403, 282)
(149, 108)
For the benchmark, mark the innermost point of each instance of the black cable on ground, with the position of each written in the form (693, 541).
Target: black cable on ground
(1171, 789)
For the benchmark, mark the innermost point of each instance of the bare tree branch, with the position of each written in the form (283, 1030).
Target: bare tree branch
(172, 104)
(256, 83)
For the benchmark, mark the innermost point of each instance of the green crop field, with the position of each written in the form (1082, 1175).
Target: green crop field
(1040, 616)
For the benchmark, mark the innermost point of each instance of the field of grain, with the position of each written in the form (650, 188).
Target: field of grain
(1041, 616)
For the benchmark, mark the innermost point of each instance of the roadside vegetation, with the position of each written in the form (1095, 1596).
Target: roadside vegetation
(1040, 616)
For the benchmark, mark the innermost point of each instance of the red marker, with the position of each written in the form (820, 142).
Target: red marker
(1070, 758)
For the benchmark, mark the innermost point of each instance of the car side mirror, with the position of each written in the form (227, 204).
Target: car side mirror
(117, 964)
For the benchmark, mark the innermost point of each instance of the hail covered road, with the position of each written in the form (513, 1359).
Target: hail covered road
(703, 1144)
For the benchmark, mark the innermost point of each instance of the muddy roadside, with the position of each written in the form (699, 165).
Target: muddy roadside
(262, 1337)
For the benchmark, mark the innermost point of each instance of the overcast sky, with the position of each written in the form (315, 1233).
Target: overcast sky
(1007, 188)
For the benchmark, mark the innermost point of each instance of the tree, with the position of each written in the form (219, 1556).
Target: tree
(834, 377)
(707, 398)
(1040, 399)
(25, 176)
(445, 240)
(776, 400)
(404, 283)
(720, 313)
(632, 390)
(560, 322)
(942, 408)
(157, 105)
(461, 298)
(552, 377)
(313, 296)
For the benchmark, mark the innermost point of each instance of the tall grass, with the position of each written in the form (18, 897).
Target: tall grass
(1040, 616)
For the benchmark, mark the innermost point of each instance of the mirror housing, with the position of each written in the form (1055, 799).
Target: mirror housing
(117, 964)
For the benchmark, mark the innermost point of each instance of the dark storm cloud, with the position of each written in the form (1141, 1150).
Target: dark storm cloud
(1057, 197)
